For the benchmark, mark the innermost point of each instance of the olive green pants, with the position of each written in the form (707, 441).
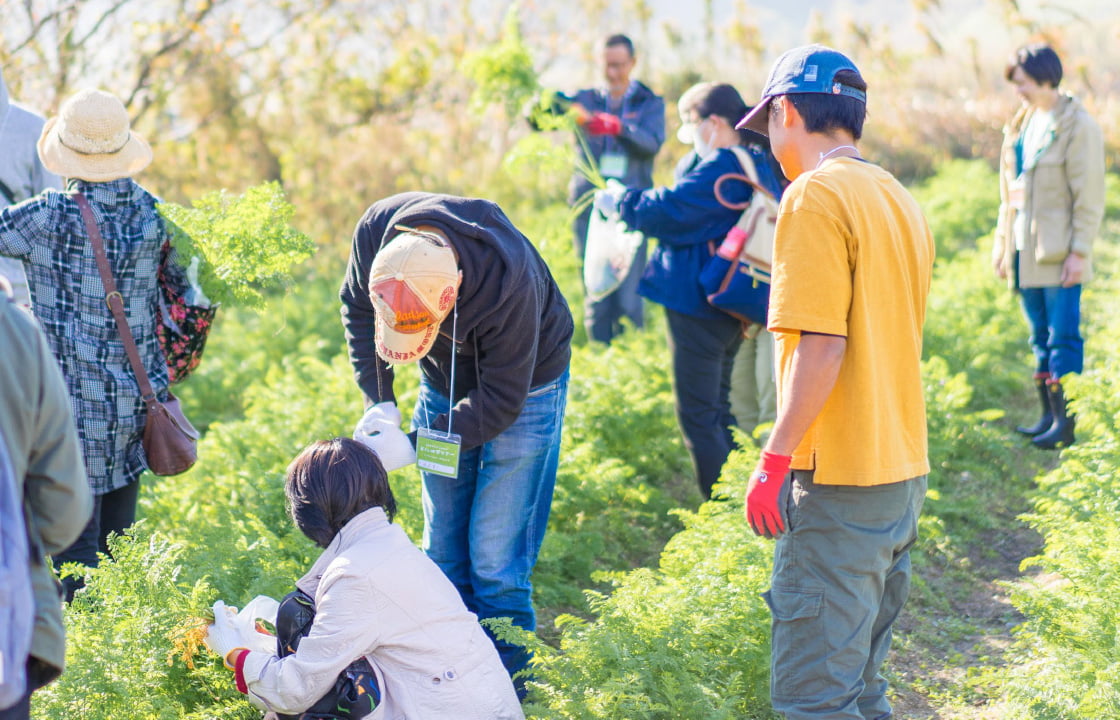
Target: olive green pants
(841, 576)
(753, 395)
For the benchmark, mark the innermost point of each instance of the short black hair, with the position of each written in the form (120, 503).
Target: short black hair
(333, 481)
(1039, 61)
(620, 39)
(824, 113)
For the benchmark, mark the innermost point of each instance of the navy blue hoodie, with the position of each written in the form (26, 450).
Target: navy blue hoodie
(643, 132)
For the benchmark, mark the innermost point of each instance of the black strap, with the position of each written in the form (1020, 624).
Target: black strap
(8, 194)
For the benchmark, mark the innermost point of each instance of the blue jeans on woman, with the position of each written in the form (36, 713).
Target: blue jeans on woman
(484, 528)
(1054, 316)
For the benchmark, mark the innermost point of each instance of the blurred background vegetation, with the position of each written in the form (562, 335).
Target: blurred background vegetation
(346, 101)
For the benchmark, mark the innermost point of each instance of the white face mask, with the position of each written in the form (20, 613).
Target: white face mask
(702, 145)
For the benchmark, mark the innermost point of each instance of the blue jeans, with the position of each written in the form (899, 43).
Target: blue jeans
(485, 527)
(1054, 314)
(20, 711)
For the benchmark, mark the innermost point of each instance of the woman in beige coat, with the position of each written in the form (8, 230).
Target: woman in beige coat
(378, 597)
(1052, 202)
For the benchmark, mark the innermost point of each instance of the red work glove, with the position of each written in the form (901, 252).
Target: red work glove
(767, 494)
(602, 123)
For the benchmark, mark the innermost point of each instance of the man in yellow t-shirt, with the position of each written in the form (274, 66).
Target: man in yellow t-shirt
(843, 475)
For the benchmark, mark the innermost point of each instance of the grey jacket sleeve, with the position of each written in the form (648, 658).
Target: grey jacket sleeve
(56, 488)
(42, 179)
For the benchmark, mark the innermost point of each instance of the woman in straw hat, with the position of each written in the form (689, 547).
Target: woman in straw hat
(91, 144)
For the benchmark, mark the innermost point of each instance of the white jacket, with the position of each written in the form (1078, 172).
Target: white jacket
(377, 595)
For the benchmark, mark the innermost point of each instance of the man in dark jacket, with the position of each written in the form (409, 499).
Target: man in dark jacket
(450, 283)
(621, 128)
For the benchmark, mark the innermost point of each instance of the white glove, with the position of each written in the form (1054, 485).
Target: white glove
(223, 635)
(380, 430)
(607, 199)
(392, 446)
(376, 417)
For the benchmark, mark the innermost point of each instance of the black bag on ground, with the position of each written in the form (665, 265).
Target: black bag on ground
(355, 694)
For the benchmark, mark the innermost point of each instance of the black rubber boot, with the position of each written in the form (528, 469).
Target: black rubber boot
(1047, 418)
(1060, 433)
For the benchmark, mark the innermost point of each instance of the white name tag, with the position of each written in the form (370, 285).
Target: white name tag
(613, 165)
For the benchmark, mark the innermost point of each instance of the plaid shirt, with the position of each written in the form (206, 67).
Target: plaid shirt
(48, 235)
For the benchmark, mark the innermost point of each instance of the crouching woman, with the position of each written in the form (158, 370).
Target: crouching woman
(376, 597)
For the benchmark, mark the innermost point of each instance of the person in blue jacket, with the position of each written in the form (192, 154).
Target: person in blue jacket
(688, 221)
(621, 127)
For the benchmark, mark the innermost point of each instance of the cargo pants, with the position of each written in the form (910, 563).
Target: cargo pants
(840, 579)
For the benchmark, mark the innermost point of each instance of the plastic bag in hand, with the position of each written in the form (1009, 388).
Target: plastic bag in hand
(610, 251)
(194, 295)
(392, 446)
(257, 624)
(246, 629)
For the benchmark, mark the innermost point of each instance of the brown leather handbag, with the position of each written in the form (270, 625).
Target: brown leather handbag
(170, 441)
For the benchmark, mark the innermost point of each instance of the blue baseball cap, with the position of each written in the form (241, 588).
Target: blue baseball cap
(808, 69)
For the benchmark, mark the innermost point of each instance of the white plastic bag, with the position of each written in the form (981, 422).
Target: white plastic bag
(608, 255)
(260, 608)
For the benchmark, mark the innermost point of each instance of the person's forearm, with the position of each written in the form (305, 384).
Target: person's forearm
(816, 366)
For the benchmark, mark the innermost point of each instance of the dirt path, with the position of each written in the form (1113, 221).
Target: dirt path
(929, 673)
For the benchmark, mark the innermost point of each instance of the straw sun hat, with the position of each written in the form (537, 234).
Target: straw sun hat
(91, 140)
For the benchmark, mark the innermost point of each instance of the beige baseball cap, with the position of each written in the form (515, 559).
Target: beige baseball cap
(413, 285)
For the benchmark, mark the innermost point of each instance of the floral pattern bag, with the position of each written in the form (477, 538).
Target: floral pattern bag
(182, 328)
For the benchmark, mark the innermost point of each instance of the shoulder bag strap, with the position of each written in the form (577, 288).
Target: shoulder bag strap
(750, 178)
(114, 299)
(745, 160)
(6, 191)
